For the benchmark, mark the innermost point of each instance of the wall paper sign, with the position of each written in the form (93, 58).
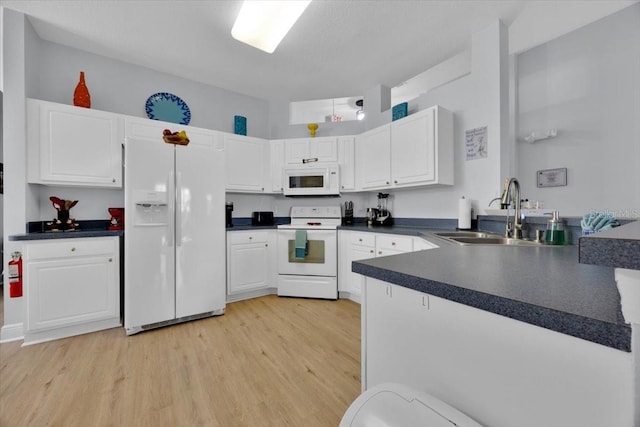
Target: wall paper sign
(476, 143)
(552, 177)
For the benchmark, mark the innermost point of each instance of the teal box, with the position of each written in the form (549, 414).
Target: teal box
(399, 111)
(239, 125)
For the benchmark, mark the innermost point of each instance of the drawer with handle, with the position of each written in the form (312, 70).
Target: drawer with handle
(67, 248)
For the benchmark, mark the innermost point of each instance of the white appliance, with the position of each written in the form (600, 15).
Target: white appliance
(175, 232)
(312, 179)
(308, 253)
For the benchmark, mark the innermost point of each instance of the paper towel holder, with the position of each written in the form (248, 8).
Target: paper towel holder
(466, 221)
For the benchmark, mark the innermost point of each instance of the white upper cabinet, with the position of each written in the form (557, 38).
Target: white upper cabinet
(373, 168)
(346, 160)
(415, 150)
(422, 148)
(246, 163)
(135, 127)
(73, 146)
(276, 162)
(324, 149)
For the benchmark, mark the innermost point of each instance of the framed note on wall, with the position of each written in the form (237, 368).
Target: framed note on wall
(552, 177)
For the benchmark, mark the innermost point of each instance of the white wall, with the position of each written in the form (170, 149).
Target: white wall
(586, 84)
(476, 100)
(120, 87)
(245, 204)
(18, 197)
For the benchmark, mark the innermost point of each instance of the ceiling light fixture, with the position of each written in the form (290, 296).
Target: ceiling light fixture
(360, 112)
(263, 24)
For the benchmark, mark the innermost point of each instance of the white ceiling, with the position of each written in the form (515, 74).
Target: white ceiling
(337, 48)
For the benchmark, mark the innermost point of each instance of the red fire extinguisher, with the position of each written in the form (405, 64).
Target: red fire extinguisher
(15, 275)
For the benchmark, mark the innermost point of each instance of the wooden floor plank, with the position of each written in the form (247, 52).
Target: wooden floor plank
(268, 361)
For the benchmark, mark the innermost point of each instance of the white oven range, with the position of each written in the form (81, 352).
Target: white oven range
(308, 253)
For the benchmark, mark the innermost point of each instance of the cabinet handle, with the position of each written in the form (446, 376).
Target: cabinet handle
(113, 180)
(371, 251)
(395, 182)
(359, 240)
(266, 245)
(73, 249)
(250, 237)
(393, 243)
(262, 189)
(110, 259)
(387, 182)
(380, 253)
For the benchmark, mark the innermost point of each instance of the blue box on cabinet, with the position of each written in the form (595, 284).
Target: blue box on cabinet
(240, 125)
(399, 111)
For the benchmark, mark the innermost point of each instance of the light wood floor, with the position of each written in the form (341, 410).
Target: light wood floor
(267, 362)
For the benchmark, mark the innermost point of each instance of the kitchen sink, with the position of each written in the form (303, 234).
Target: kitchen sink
(471, 234)
(481, 238)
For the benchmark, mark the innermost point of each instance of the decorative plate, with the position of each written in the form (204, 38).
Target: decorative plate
(168, 108)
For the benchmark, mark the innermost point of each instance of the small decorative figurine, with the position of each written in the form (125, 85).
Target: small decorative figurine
(178, 138)
(313, 127)
(63, 222)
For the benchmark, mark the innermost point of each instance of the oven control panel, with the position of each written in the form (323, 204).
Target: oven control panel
(315, 212)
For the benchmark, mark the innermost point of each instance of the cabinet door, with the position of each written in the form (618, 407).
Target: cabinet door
(276, 160)
(373, 169)
(295, 150)
(74, 146)
(71, 283)
(353, 246)
(324, 149)
(413, 149)
(346, 160)
(245, 163)
(248, 262)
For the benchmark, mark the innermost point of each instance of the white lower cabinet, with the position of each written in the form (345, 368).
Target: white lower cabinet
(72, 286)
(357, 245)
(251, 263)
(499, 371)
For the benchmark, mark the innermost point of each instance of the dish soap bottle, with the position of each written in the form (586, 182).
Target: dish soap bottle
(555, 231)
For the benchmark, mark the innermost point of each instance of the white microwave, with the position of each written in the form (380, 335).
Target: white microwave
(317, 179)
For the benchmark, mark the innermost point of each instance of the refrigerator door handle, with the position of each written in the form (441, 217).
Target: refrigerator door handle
(171, 202)
(179, 208)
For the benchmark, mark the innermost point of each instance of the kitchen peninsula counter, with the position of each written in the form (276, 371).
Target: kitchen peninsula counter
(542, 286)
(618, 247)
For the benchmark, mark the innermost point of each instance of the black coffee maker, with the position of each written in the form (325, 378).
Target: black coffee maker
(229, 210)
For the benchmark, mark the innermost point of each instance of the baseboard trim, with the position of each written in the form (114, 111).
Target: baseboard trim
(12, 332)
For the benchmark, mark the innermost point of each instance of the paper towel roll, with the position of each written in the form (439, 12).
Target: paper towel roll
(464, 213)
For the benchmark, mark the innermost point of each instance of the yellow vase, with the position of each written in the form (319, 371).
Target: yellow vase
(313, 127)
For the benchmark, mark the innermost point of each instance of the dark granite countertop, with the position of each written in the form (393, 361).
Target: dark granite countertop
(617, 247)
(66, 234)
(87, 228)
(394, 229)
(542, 286)
(244, 227)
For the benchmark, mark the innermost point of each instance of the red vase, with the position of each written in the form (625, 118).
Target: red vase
(81, 97)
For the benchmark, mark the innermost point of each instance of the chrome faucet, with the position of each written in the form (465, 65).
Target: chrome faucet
(513, 230)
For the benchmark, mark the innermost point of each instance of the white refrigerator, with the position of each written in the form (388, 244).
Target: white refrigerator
(174, 232)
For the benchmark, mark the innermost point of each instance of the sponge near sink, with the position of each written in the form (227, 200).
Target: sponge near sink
(594, 222)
